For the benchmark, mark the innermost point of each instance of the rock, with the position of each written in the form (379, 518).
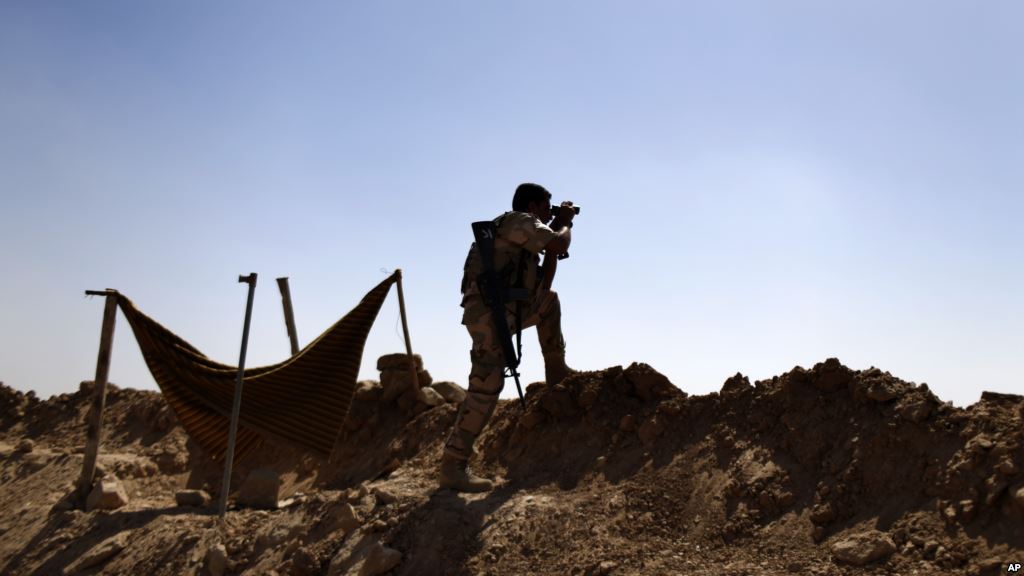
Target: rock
(260, 489)
(171, 459)
(648, 382)
(450, 391)
(651, 429)
(628, 423)
(305, 563)
(359, 492)
(408, 400)
(393, 385)
(979, 444)
(399, 361)
(605, 568)
(823, 514)
(424, 379)
(379, 560)
(107, 494)
(397, 382)
(785, 499)
(864, 548)
(35, 461)
(193, 498)
(102, 552)
(216, 560)
(831, 375)
(915, 410)
(995, 485)
(369, 391)
(346, 519)
(949, 514)
(367, 557)
(732, 488)
(967, 510)
(876, 386)
(1018, 499)
(1000, 397)
(882, 391)
(25, 446)
(430, 397)
(736, 385)
(1007, 468)
(383, 496)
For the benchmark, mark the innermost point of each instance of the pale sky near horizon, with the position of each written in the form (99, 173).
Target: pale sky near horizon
(764, 185)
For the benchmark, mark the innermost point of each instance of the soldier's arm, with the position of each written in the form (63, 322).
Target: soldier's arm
(561, 225)
(558, 245)
(562, 228)
(548, 269)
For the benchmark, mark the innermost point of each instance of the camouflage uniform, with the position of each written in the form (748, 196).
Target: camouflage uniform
(520, 236)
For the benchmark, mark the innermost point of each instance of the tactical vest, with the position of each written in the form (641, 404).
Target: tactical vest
(516, 266)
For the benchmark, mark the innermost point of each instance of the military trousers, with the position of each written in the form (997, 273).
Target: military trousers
(486, 377)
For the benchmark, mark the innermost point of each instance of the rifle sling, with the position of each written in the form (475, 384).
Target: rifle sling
(495, 295)
(491, 289)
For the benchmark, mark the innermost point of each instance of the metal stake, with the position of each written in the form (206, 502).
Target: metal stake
(289, 318)
(230, 455)
(94, 432)
(405, 329)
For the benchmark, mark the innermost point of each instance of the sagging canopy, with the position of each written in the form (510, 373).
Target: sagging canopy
(303, 400)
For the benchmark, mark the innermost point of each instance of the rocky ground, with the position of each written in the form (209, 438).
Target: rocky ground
(820, 471)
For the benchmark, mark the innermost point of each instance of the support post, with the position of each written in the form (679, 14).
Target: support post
(405, 330)
(229, 456)
(94, 432)
(289, 317)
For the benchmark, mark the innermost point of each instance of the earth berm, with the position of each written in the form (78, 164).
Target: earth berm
(822, 471)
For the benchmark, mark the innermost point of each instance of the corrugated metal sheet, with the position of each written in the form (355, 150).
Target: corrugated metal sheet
(303, 400)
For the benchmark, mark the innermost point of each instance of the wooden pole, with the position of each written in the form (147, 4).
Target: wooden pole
(408, 343)
(289, 317)
(94, 432)
(236, 407)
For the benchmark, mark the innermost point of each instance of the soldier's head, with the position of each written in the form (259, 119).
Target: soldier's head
(533, 198)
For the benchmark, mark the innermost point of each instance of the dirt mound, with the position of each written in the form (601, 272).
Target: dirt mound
(820, 471)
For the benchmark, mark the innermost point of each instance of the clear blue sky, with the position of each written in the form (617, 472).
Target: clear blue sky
(764, 184)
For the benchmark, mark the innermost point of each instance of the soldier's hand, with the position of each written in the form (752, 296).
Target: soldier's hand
(565, 213)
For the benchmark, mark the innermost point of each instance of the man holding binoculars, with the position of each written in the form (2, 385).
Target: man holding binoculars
(524, 290)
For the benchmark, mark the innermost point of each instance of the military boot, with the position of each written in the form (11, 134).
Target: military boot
(455, 475)
(555, 369)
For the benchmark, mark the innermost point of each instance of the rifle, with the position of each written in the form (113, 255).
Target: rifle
(495, 296)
